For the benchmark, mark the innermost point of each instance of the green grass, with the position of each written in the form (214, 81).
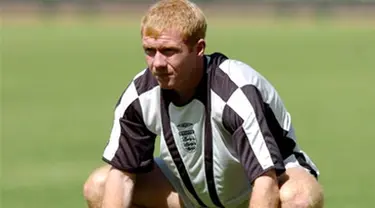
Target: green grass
(60, 84)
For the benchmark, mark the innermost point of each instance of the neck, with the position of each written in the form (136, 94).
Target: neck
(187, 90)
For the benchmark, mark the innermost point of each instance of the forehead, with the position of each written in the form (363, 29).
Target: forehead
(164, 39)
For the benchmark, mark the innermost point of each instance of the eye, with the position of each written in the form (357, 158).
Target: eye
(150, 51)
(169, 51)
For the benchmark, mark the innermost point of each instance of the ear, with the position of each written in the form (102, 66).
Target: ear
(201, 47)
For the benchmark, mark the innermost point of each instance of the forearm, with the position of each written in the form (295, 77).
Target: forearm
(118, 190)
(264, 199)
(265, 193)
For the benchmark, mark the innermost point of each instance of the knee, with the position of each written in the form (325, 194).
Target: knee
(93, 187)
(302, 197)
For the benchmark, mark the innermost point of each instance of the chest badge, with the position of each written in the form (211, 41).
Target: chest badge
(187, 137)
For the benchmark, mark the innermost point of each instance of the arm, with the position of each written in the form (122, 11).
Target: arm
(265, 191)
(129, 150)
(118, 191)
(257, 143)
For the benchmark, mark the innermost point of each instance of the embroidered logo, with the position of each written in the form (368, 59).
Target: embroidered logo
(187, 136)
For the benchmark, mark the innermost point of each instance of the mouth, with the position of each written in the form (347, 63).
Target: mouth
(163, 78)
(163, 75)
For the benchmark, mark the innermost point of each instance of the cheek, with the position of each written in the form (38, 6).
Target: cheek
(181, 65)
(149, 61)
(187, 67)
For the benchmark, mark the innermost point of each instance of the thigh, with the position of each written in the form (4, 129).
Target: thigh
(154, 190)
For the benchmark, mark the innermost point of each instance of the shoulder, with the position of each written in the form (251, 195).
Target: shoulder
(144, 81)
(139, 85)
(240, 72)
(231, 74)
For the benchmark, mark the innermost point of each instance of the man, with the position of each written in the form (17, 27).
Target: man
(226, 139)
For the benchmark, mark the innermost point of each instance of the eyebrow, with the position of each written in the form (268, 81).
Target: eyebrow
(146, 46)
(170, 47)
(162, 47)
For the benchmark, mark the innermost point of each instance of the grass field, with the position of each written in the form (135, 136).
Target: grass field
(60, 84)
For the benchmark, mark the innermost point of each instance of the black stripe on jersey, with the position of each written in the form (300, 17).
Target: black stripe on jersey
(215, 61)
(136, 144)
(233, 121)
(254, 96)
(241, 144)
(233, 124)
(246, 155)
(145, 82)
(203, 95)
(172, 147)
(208, 152)
(302, 161)
(286, 145)
(222, 79)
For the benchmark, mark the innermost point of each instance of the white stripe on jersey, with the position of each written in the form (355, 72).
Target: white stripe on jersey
(242, 74)
(151, 109)
(225, 157)
(140, 74)
(242, 106)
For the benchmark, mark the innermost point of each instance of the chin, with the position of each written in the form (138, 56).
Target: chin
(166, 86)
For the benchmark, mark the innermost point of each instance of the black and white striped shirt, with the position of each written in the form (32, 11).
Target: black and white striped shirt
(235, 129)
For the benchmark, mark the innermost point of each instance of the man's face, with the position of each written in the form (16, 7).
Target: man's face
(170, 59)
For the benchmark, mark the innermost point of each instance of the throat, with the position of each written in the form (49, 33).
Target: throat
(183, 97)
(192, 86)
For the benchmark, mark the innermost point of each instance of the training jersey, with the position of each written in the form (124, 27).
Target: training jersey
(232, 131)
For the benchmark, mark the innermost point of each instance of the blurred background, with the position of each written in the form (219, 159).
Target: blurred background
(64, 64)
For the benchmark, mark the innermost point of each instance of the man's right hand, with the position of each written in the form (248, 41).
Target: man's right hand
(118, 191)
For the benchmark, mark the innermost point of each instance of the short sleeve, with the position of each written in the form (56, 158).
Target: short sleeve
(131, 145)
(252, 138)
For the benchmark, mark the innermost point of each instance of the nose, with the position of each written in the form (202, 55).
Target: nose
(160, 61)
